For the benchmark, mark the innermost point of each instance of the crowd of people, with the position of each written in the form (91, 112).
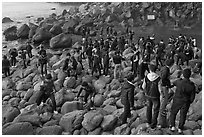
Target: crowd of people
(151, 67)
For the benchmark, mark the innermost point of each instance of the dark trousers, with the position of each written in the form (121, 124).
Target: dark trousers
(135, 67)
(13, 61)
(42, 67)
(96, 67)
(176, 106)
(152, 119)
(44, 97)
(105, 69)
(24, 63)
(29, 54)
(126, 112)
(90, 60)
(158, 60)
(86, 96)
(6, 71)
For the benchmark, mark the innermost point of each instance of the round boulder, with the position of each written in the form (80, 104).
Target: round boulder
(61, 41)
(41, 35)
(6, 20)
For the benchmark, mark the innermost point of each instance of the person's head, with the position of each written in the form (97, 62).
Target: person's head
(48, 76)
(4, 57)
(152, 68)
(84, 84)
(169, 62)
(186, 73)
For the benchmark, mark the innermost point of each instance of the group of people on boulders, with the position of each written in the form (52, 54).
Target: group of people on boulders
(106, 57)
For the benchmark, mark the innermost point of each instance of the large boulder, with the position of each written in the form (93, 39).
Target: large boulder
(23, 31)
(6, 20)
(23, 86)
(92, 120)
(70, 82)
(21, 128)
(71, 121)
(69, 25)
(41, 35)
(109, 122)
(12, 29)
(56, 30)
(9, 113)
(30, 116)
(50, 130)
(61, 41)
(98, 100)
(32, 30)
(10, 33)
(71, 106)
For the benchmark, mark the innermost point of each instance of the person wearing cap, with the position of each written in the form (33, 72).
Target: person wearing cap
(48, 89)
(184, 96)
(89, 91)
(43, 60)
(127, 97)
(6, 66)
(152, 89)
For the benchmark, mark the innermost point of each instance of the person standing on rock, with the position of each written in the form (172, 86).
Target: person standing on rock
(6, 66)
(29, 49)
(13, 54)
(135, 61)
(23, 57)
(96, 63)
(184, 96)
(48, 89)
(127, 97)
(117, 60)
(43, 60)
(166, 85)
(89, 55)
(152, 89)
(106, 59)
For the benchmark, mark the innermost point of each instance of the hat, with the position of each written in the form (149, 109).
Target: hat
(48, 76)
(187, 73)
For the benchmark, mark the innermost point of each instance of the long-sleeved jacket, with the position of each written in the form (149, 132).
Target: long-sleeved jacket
(127, 92)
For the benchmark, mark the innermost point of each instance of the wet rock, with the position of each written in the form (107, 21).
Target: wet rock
(67, 120)
(109, 122)
(71, 106)
(50, 130)
(61, 41)
(9, 113)
(6, 20)
(23, 31)
(21, 128)
(92, 120)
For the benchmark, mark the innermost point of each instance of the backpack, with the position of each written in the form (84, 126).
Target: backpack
(152, 89)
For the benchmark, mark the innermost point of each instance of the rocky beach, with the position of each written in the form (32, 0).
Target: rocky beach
(62, 32)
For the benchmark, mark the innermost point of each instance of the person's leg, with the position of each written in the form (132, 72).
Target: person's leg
(86, 97)
(149, 111)
(4, 71)
(41, 68)
(52, 97)
(45, 65)
(126, 112)
(156, 106)
(131, 99)
(24, 63)
(14, 61)
(183, 113)
(174, 110)
(115, 72)
(8, 71)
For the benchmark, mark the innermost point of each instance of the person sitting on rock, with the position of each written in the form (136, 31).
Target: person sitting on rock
(6, 66)
(89, 91)
(47, 89)
(13, 54)
(184, 96)
(127, 97)
(152, 89)
(43, 60)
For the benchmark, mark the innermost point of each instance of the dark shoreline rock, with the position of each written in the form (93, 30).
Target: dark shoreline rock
(7, 20)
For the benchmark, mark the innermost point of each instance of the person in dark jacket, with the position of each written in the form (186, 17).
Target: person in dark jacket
(135, 62)
(127, 97)
(89, 55)
(106, 63)
(184, 96)
(117, 60)
(89, 91)
(6, 66)
(96, 64)
(23, 57)
(166, 85)
(159, 53)
(151, 86)
(48, 89)
(13, 54)
(29, 49)
(42, 60)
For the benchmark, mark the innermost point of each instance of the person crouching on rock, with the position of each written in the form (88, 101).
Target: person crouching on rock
(6, 66)
(47, 89)
(89, 91)
(43, 60)
(127, 97)
(184, 96)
